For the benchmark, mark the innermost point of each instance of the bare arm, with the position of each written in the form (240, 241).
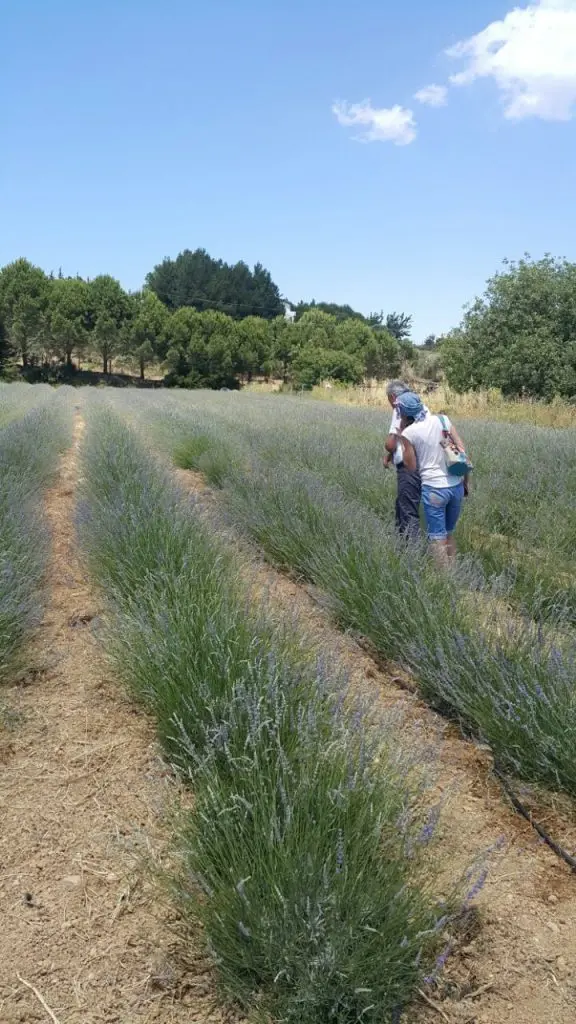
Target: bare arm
(388, 458)
(409, 455)
(391, 441)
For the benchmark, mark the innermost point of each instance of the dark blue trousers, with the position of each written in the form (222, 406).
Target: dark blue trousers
(408, 503)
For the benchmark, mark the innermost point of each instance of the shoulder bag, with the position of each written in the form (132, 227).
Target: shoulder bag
(457, 462)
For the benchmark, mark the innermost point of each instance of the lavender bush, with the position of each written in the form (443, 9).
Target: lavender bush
(305, 855)
(29, 448)
(18, 399)
(512, 687)
(520, 523)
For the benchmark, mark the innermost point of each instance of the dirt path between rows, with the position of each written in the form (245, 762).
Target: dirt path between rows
(521, 966)
(82, 793)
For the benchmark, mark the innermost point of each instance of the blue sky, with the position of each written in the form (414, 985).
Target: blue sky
(131, 130)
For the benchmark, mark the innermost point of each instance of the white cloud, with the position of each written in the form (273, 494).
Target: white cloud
(378, 124)
(432, 95)
(531, 55)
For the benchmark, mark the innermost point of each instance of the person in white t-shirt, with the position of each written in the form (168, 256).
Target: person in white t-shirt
(442, 494)
(408, 483)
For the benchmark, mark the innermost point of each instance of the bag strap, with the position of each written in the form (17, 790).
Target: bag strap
(444, 422)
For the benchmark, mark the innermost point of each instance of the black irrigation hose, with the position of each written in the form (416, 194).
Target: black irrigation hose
(519, 807)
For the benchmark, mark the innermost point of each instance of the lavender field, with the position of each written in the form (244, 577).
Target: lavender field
(493, 644)
(312, 866)
(490, 646)
(34, 428)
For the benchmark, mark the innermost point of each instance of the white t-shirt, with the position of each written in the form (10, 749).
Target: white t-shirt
(395, 428)
(426, 437)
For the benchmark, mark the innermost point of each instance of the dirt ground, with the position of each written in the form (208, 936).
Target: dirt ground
(82, 797)
(518, 965)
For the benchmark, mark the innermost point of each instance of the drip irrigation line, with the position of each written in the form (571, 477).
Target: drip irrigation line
(525, 813)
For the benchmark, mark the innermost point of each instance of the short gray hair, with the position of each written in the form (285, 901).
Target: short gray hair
(395, 388)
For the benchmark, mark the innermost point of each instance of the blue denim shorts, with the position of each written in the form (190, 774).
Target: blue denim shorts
(442, 507)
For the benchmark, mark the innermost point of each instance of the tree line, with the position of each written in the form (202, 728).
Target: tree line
(520, 335)
(205, 322)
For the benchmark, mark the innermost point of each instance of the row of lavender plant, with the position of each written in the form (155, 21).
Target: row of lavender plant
(520, 474)
(508, 681)
(18, 399)
(305, 853)
(29, 449)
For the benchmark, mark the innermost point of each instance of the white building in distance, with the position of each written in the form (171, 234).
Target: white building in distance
(289, 313)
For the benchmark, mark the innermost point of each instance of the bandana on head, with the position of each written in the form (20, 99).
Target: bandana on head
(411, 405)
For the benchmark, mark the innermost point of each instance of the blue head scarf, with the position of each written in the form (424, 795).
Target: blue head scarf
(411, 405)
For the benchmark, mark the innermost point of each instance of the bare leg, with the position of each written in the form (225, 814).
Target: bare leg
(439, 549)
(451, 547)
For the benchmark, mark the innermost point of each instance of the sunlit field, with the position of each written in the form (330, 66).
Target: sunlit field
(308, 856)
(472, 405)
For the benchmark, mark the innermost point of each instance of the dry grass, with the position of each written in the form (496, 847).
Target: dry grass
(472, 405)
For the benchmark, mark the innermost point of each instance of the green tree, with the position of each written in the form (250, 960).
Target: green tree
(374, 352)
(69, 317)
(105, 340)
(146, 329)
(283, 344)
(108, 298)
(195, 279)
(5, 349)
(203, 349)
(376, 320)
(220, 359)
(353, 336)
(68, 337)
(29, 330)
(399, 325)
(315, 329)
(340, 312)
(520, 335)
(382, 356)
(254, 345)
(408, 351)
(180, 326)
(24, 298)
(313, 365)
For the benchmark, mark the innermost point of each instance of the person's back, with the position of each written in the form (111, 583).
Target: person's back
(423, 440)
(426, 438)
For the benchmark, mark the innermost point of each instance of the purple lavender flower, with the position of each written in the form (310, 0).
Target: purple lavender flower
(427, 832)
(478, 886)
